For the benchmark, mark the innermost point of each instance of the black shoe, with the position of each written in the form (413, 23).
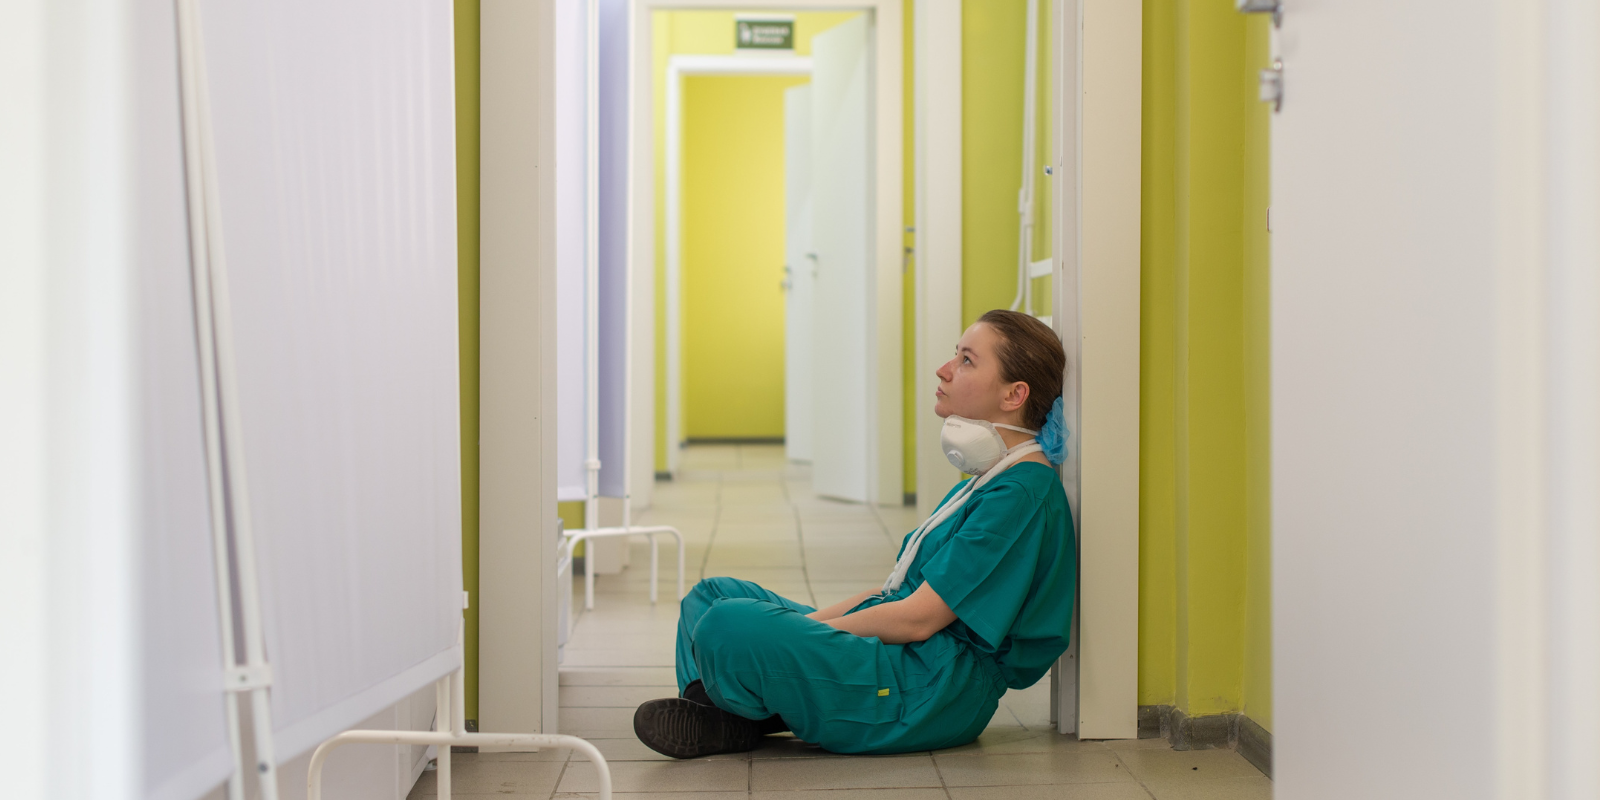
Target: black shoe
(696, 691)
(685, 729)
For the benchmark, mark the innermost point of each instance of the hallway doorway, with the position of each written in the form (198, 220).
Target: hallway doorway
(723, 344)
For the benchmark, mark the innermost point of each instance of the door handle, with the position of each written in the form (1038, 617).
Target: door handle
(1272, 85)
(1273, 7)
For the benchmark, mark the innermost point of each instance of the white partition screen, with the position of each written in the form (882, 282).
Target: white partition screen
(335, 154)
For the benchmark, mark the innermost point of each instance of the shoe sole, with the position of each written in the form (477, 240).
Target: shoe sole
(685, 729)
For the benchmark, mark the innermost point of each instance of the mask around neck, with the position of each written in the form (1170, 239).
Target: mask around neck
(973, 445)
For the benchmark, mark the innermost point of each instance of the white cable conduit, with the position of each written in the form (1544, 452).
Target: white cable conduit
(1026, 269)
(219, 391)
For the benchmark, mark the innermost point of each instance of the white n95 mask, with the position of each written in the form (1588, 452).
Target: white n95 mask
(973, 445)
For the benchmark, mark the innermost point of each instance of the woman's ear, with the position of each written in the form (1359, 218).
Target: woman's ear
(1016, 396)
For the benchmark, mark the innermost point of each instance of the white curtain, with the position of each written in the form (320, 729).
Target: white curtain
(572, 32)
(613, 140)
(335, 146)
(182, 732)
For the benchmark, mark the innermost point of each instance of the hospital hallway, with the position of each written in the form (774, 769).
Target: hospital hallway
(746, 512)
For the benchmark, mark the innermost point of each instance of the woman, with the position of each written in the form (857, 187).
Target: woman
(980, 600)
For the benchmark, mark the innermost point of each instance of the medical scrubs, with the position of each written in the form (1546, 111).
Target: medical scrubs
(1005, 563)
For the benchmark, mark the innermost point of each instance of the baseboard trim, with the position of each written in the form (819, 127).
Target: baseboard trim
(1233, 731)
(1255, 744)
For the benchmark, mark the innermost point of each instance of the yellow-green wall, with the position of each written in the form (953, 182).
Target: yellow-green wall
(1204, 580)
(992, 42)
(733, 255)
(467, 41)
(1257, 701)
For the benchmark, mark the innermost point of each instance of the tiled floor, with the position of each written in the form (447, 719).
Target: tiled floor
(744, 511)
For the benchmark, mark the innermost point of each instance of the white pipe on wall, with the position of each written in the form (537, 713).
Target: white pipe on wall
(1030, 116)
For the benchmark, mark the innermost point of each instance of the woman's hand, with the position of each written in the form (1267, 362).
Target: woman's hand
(913, 619)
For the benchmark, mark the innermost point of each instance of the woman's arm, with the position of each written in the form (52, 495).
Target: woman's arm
(913, 619)
(837, 610)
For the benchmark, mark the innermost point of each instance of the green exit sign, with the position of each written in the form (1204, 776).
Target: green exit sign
(751, 33)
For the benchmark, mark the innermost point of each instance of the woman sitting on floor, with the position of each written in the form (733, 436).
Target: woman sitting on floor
(979, 601)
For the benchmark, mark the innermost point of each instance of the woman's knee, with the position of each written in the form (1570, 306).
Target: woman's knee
(710, 590)
(738, 622)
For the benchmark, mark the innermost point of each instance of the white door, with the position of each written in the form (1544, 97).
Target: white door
(841, 169)
(1384, 452)
(799, 274)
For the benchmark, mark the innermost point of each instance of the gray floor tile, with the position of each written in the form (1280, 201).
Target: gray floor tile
(1257, 788)
(479, 757)
(618, 676)
(596, 722)
(786, 746)
(652, 795)
(1138, 744)
(698, 775)
(1026, 769)
(1013, 741)
(631, 749)
(1167, 764)
(852, 794)
(612, 696)
(495, 777)
(1078, 791)
(858, 772)
(593, 658)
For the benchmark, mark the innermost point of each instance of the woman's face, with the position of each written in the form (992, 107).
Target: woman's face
(970, 385)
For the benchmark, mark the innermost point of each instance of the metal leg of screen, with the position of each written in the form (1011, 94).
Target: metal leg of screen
(451, 706)
(576, 536)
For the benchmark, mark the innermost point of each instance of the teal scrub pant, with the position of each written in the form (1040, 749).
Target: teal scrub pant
(757, 654)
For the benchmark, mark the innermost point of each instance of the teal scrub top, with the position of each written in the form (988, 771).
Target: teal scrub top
(1007, 564)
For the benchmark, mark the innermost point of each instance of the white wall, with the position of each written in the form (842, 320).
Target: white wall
(22, 379)
(1436, 375)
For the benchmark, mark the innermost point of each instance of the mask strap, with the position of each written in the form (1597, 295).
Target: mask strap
(959, 499)
(1015, 428)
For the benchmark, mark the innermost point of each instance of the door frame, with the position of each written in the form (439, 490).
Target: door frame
(937, 142)
(679, 67)
(1096, 58)
(885, 473)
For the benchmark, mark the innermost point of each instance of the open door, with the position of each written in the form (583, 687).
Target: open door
(843, 203)
(800, 271)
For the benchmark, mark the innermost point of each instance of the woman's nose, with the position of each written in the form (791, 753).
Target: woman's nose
(944, 372)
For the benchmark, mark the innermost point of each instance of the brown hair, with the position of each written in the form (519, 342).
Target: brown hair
(1030, 353)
